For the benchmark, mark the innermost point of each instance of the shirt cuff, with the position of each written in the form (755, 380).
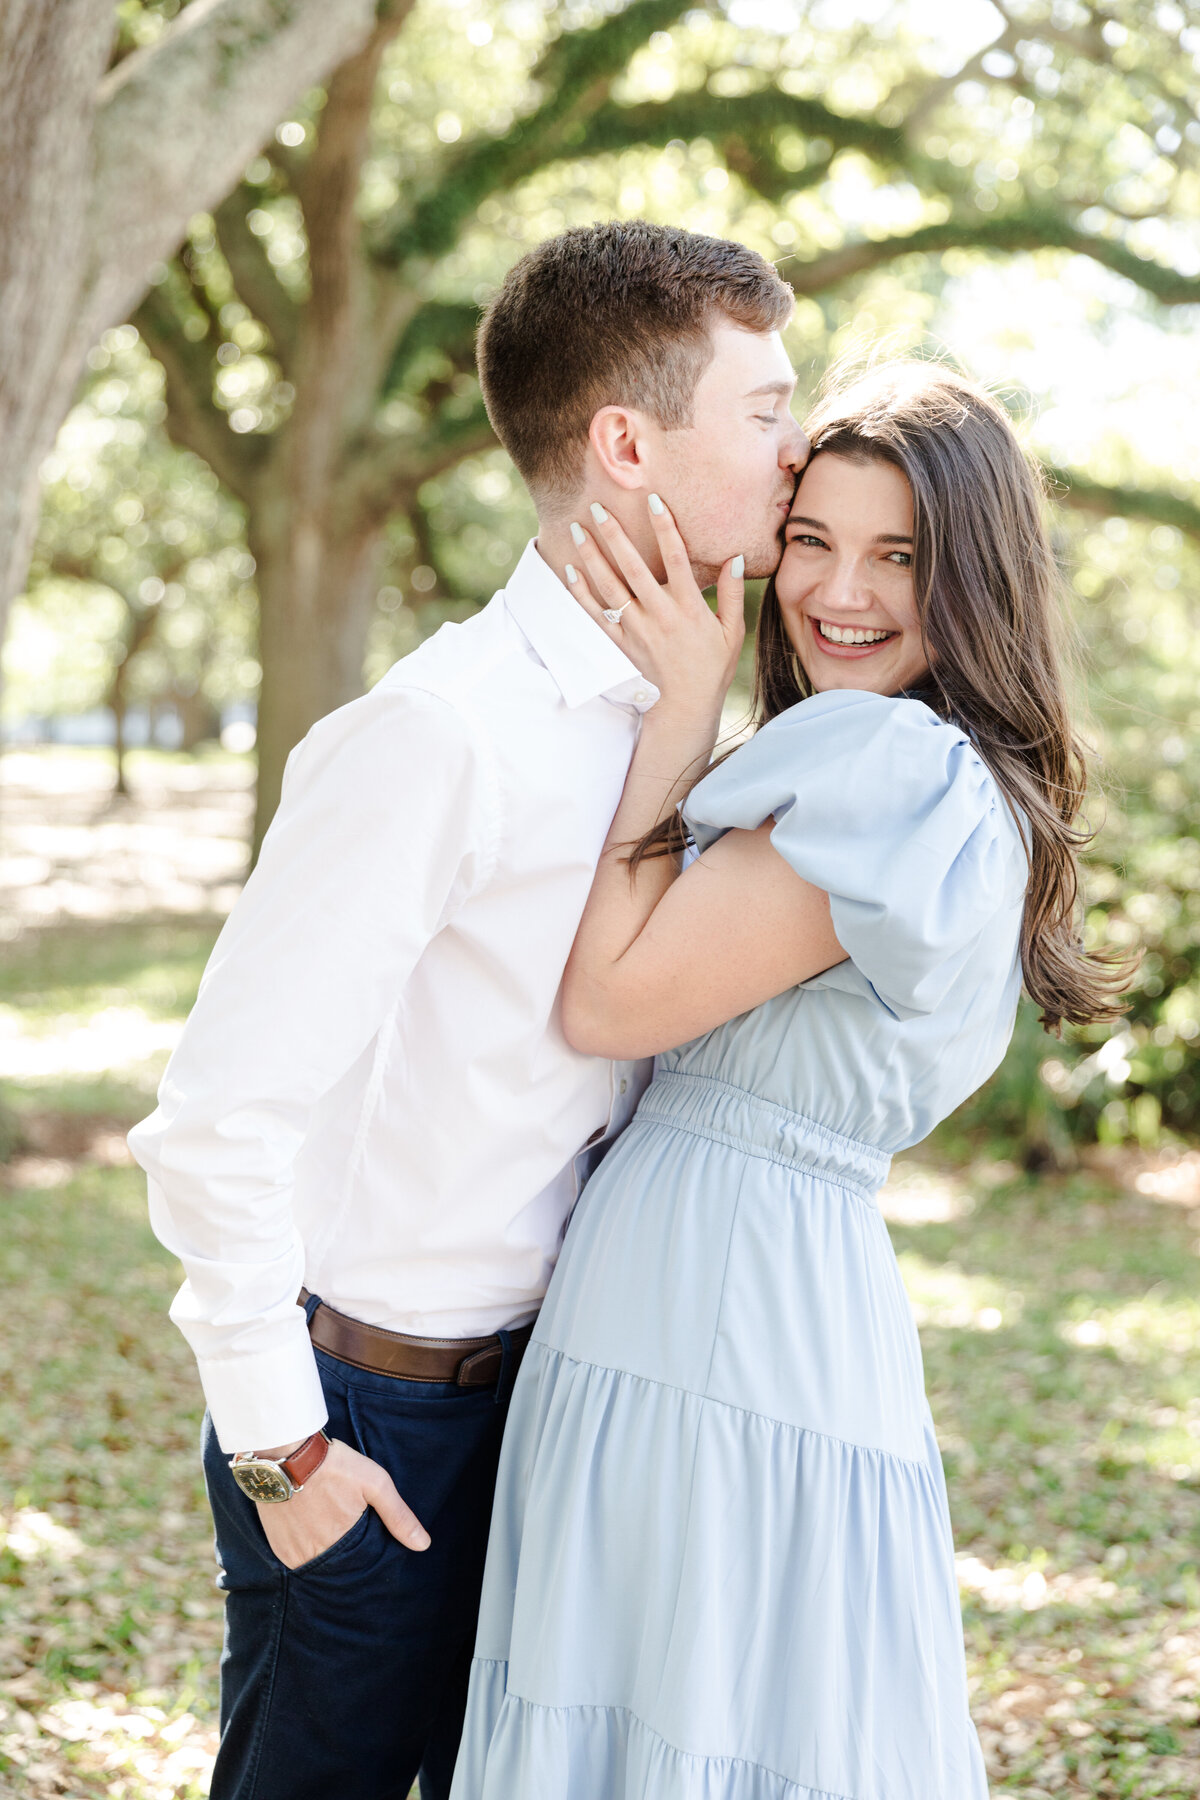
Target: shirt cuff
(266, 1398)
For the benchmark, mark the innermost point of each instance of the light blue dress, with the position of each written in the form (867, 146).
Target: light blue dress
(721, 1564)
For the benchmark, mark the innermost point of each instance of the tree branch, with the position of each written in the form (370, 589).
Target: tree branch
(1032, 229)
(931, 96)
(193, 421)
(1157, 505)
(197, 290)
(387, 472)
(752, 116)
(254, 278)
(445, 325)
(178, 121)
(577, 73)
(329, 400)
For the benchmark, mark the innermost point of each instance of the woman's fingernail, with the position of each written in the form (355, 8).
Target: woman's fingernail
(577, 533)
(419, 1539)
(598, 512)
(572, 577)
(738, 568)
(656, 505)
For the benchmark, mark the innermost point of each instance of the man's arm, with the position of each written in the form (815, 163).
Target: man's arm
(380, 832)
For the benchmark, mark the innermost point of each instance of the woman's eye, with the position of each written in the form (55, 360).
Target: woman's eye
(767, 418)
(806, 538)
(901, 558)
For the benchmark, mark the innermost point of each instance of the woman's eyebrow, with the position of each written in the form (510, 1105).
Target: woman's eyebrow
(883, 537)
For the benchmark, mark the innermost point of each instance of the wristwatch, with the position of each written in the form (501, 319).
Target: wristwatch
(262, 1478)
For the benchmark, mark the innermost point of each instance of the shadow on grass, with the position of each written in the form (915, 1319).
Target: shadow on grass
(77, 966)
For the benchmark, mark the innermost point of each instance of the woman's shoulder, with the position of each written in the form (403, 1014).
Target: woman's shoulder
(864, 761)
(854, 719)
(892, 812)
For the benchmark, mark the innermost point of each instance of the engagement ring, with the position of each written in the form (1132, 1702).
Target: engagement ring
(613, 613)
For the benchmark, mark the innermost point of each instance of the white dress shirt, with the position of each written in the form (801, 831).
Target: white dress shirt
(373, 1096)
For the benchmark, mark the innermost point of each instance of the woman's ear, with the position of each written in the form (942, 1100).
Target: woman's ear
(618, 437)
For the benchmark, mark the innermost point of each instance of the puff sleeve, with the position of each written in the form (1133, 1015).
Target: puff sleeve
(891, 812)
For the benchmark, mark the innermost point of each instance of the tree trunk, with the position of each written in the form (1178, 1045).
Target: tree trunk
(117, 703)
(100, 174)
(198, 717)
(52, 59)
(316, 590)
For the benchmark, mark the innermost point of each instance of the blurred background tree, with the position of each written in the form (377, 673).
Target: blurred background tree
(141, 585)
(1013, 183)
(317, 329)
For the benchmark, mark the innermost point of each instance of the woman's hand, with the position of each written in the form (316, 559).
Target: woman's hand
(667, 629)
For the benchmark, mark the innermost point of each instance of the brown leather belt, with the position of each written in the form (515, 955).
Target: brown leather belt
(470, 1362)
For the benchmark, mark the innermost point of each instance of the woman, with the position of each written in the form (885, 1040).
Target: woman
(721, 1563)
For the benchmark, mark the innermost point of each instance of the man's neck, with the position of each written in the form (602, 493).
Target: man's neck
(557, 548)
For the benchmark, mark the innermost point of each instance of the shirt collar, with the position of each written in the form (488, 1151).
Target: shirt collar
(583, 660)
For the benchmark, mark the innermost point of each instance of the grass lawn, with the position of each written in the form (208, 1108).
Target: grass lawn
(1060, 1320)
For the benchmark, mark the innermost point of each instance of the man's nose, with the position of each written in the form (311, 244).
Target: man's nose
(794, 451)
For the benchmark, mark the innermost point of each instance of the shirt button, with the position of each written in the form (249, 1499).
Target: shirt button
(624, 1085)
(640, 694)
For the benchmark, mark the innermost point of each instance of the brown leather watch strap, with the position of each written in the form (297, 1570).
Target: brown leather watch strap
(303, 1463)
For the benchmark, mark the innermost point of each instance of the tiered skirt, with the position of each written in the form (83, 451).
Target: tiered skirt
(721, 1565)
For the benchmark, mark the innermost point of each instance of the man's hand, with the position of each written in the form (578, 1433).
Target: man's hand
(329, 1503)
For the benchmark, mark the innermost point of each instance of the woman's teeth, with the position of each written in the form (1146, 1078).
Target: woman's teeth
(851, 634)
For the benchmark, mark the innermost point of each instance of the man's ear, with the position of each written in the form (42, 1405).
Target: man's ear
(618, 436)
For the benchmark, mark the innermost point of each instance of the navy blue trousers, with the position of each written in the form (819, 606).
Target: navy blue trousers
(346, 1678)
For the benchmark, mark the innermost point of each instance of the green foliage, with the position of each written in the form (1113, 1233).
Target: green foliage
(899, 174)
(1136, 588)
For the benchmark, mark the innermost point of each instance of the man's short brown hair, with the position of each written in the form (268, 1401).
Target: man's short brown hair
(617, 314)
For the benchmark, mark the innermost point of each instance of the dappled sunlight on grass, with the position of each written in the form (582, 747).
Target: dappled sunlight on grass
(115, 1040)
(942, 1295)
(30, 1534)
(71, 850)
(1155, 1329)
(109, 1623)
(1061, 1326)
(1073, 1470)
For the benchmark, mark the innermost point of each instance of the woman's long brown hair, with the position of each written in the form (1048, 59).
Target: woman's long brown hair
(989, 603)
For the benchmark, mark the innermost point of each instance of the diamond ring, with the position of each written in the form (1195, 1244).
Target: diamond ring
(613, 613)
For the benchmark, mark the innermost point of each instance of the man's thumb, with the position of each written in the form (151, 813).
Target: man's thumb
(400, 1519)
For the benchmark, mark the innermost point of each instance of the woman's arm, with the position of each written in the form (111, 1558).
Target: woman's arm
(662, 956)
(734, 929)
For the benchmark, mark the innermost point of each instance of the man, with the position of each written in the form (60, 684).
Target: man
(373, 1104)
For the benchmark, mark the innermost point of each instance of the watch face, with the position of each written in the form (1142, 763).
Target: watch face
(262, 1481)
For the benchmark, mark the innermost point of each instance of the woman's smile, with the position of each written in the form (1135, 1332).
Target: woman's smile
(851, 640)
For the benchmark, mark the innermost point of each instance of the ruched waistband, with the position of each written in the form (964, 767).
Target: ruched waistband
(729, 1115)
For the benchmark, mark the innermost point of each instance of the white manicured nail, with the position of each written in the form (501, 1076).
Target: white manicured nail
(572, 577)
(598, 512)
(738, 568)
(655, 504)
(577, 533)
